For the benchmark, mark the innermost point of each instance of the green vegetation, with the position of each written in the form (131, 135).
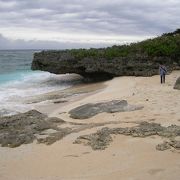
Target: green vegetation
(166, 45)
(109, 53)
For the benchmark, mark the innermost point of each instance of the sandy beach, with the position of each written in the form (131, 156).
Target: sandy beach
(126, 157)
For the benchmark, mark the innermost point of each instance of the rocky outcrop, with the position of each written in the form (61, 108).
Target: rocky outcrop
(61, 62)
(102, 138)
(136, 59)
(177, 84)
(26, 127)
(90, 110)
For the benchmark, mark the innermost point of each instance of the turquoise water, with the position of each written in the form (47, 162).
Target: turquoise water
(14, 76)
(18, 81)
(14, 64)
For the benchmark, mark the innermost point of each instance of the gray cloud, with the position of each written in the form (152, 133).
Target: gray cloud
(100, 17)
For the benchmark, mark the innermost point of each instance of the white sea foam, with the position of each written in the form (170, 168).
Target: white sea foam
(28, 84)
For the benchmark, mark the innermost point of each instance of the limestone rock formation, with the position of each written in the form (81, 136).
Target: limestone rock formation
(62, 62)
(102, 138)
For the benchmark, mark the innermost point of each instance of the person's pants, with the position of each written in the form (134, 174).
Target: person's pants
(162, 78)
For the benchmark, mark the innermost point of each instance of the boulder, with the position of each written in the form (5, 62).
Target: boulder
(177, 84)
(90, 110)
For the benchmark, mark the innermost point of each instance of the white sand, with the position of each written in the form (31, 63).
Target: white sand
(126, 158)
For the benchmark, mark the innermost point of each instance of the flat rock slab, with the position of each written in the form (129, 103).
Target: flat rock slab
(89, 110)
(177, 84)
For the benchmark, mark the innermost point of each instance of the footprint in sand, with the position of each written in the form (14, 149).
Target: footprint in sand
(155, 171)
(71, 155)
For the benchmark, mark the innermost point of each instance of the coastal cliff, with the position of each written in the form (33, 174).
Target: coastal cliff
(137, 59)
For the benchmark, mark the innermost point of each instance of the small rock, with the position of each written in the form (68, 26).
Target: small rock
(60, 101)
(162, 147)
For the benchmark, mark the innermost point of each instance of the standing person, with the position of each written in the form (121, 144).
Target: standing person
(162, 72)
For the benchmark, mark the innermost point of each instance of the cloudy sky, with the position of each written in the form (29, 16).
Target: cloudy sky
(84, 23)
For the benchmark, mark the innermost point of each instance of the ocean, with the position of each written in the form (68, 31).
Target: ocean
(18, 81)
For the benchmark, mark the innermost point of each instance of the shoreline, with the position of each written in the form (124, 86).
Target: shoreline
(125, 157)
(67, 96)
